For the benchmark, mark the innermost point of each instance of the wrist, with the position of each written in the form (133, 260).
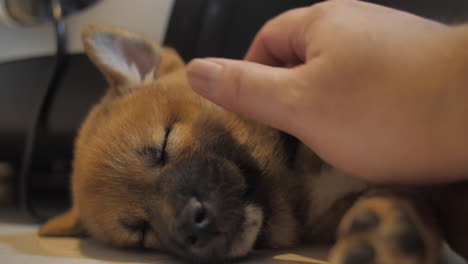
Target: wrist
(440, 86)
(458, 43)
(455, 102)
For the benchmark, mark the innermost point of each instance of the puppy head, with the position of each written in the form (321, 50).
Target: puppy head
(158, 167)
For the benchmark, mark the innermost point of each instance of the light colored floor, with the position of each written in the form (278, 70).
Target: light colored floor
(19, 244)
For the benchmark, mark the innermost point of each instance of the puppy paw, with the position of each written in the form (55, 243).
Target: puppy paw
(385, 231)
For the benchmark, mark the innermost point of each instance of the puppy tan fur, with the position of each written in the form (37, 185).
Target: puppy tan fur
(157, 166)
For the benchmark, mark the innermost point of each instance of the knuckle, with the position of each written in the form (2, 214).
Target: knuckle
(326, 9)
(237, 81)
(294, 97)
(318, 10)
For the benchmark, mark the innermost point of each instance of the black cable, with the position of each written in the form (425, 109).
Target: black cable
(39, 124)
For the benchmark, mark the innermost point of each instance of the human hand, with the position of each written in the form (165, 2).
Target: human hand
(375, 92)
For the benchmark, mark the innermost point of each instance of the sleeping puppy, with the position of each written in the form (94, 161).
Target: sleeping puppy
(158, 167)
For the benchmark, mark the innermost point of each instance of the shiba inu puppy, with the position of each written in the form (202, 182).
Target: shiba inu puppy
(156, 166)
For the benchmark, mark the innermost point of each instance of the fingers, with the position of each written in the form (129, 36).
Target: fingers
(281, 41)
(254, 90)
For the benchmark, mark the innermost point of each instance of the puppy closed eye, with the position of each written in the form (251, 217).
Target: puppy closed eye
(156, 155)
(136, 226)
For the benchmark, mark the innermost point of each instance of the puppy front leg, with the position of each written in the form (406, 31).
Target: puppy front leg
(387, 229)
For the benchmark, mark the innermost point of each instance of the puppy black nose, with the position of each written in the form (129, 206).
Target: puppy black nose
(201, 217)
(197, 224)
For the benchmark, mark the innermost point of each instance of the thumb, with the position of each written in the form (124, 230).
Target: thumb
(256, 91)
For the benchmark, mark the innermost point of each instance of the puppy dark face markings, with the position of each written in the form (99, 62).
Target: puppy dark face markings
(156, 155)
(216, 170)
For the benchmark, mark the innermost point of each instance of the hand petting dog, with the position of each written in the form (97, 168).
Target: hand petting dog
(376, 92)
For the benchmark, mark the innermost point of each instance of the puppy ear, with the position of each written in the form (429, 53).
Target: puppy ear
(125, 58)
(67, 224)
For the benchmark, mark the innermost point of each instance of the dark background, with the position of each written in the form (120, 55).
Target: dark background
(197, 28)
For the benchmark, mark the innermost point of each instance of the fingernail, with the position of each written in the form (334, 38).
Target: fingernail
(202, 74)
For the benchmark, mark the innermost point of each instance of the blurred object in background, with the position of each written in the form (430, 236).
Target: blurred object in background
(225, 28)
(35, 12)
(6, 184)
